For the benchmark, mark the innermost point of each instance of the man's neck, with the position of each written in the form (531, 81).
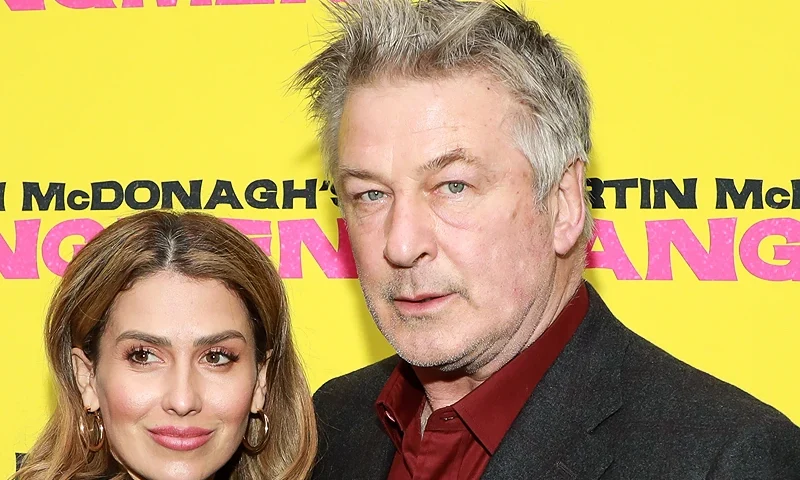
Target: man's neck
(443, 389)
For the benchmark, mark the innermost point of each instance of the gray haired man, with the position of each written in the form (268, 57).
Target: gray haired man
(457, 136)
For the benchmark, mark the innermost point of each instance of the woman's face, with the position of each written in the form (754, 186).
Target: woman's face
(175, 377)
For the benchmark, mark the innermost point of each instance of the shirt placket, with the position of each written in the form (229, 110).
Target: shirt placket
(441, 447)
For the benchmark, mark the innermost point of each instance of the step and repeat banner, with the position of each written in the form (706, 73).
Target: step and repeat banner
(113, 106)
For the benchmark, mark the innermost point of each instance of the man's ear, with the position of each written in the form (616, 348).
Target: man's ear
(569, 208)
(83, 370)
(260, 390)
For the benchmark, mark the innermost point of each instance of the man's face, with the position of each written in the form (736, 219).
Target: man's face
(455, 259)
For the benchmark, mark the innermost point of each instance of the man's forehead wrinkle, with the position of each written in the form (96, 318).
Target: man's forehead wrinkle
(433, 128)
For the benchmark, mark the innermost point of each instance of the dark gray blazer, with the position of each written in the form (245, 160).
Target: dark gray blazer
(612, 406)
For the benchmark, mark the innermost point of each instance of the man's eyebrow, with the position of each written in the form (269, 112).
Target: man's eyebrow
(348, 172)
(345, 173)
(219, 337)
(144, 338)
(452, 156)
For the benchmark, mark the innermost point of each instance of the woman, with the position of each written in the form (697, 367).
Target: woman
(169, 338)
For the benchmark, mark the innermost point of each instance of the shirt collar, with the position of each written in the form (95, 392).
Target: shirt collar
(490, 409)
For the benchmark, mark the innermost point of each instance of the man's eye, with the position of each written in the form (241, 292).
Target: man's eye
(372, 196)
(454, 187)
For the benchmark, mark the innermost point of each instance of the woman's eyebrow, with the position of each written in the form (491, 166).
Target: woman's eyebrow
(219, 337)
(165, 342)
(144, 338)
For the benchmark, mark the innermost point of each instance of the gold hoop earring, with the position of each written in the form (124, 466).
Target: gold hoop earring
(255, 449)
(97, 429)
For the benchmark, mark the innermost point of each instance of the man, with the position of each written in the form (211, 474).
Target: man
(457, 136)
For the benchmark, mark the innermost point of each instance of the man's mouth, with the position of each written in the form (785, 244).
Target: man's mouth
(421, 304)
(419, 298)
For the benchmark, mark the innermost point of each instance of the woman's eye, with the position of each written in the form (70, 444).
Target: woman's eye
(143, 357)
(455, 187)
(372, 196)
(217, 358)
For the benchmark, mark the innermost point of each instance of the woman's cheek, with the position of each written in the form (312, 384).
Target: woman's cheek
(230, 395)
(128, 395)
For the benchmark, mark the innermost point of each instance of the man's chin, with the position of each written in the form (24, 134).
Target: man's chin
(444, 359)
(422, 343)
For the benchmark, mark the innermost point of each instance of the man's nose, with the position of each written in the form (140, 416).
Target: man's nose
(410, 234)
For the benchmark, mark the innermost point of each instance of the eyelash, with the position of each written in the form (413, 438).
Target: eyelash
(358, 196)
(133, 351)
(232, 357)
(457, 182)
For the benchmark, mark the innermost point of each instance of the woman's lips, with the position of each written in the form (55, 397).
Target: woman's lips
(180, 438)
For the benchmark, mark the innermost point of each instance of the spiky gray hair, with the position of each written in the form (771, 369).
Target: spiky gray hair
(428, 39)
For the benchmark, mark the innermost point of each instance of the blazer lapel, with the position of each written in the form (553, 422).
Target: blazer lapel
(375, 461)
(556, 435)
(367, 454)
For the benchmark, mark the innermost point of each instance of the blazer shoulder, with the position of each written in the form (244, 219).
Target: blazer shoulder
(714, 426)
(670, 390)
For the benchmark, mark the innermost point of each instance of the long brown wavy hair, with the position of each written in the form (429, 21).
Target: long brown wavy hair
(198, 246)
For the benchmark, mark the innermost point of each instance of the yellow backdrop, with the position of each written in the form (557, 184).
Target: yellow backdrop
(111, 105)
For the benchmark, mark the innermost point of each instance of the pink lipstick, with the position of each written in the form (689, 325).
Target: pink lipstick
(180, 438)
